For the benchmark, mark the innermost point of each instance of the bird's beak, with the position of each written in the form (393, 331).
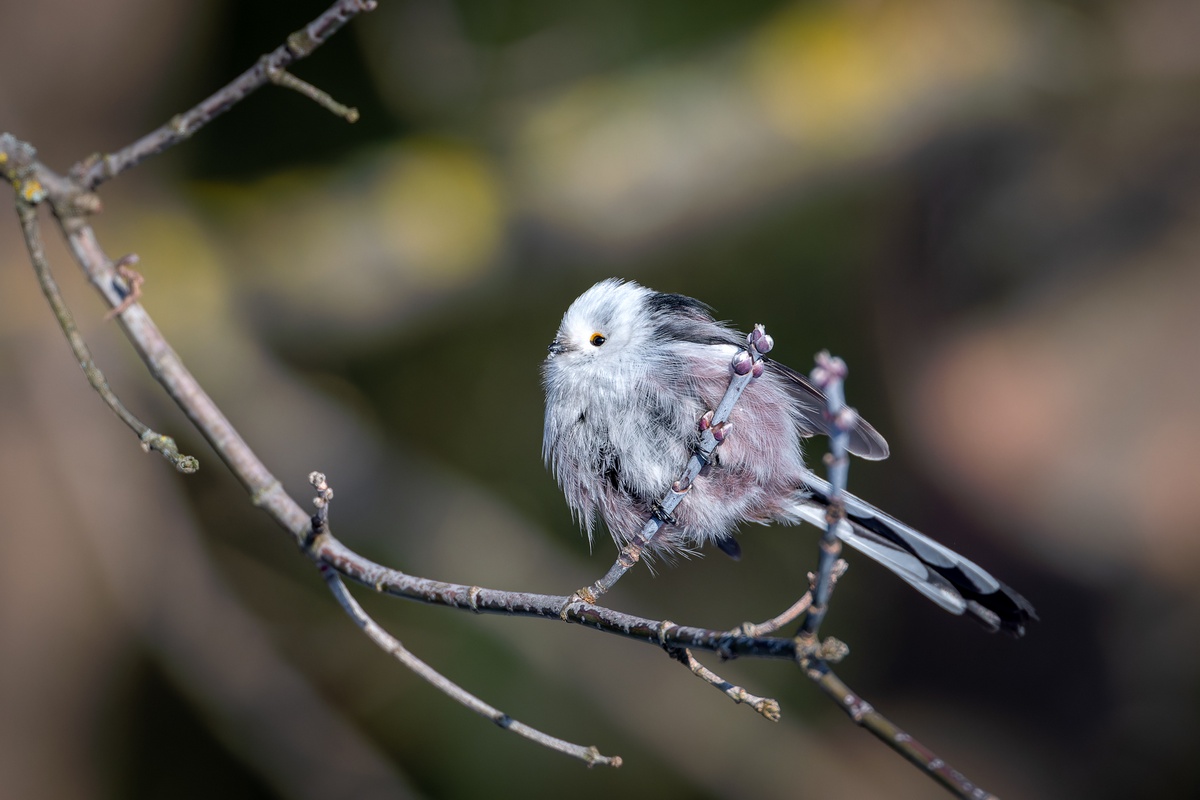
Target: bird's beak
(556, 347)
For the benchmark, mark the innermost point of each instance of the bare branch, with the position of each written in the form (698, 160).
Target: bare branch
(281, 77)
(791, 613)
(390, 644)
(766, 706)
(865, 716)
(150, 439)
(165, 365)
(828, 376)
(546, 606)
(93, 171)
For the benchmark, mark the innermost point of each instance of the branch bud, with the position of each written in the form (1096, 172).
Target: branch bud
(743, 362)
(761, 340)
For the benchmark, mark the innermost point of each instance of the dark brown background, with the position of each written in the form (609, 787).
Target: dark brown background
(988, 208)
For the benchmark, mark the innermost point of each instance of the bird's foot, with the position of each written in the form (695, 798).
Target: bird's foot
(585, 595)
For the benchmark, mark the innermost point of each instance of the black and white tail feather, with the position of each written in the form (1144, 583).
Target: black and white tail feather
(954, 582)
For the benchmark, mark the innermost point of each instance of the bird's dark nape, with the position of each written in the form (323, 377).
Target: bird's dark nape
(986, 600)
(679, 318)
(666, 304)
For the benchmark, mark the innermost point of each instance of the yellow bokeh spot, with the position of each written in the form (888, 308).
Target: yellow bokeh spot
(841, 73)
(371, 239)
(438, 208)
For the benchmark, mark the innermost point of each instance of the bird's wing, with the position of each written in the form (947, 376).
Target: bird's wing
(684, 319)
(865, 441)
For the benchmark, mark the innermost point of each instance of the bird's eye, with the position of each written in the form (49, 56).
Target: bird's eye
(597, 339)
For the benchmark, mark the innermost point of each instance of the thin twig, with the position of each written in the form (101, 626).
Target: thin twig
(766, 706)
(391, 645)
(828, 376)
(793, 612)
(93, 171)
(281, 77)
(150, 439)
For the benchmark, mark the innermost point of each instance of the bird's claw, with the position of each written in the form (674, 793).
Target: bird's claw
(664, 516)
(584, 595)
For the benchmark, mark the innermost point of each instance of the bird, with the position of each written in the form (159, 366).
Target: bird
(628, 377)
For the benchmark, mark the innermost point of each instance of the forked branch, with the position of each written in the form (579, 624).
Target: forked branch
(150, 439)
(391, 645)
(96, 169)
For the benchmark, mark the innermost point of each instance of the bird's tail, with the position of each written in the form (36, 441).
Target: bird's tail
(948, 579)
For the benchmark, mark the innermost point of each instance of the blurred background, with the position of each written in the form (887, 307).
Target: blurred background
(989, 208)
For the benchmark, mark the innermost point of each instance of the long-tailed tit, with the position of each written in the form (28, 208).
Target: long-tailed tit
(631, 372)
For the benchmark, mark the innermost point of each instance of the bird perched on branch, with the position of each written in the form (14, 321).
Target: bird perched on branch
(629, 377)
